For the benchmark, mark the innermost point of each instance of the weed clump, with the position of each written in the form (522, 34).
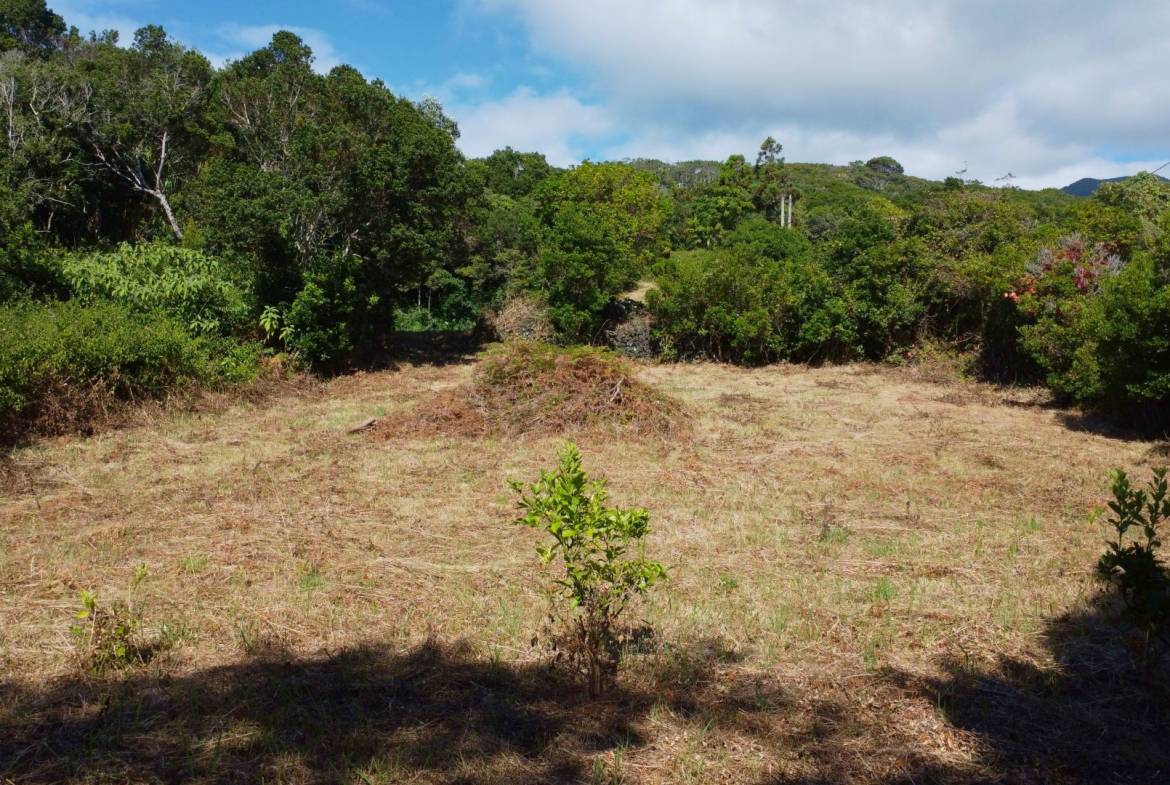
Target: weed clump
(107, 636)
(524, 387)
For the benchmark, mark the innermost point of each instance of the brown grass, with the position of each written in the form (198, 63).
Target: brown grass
(870, 583)
(62, 407)
(524, 388)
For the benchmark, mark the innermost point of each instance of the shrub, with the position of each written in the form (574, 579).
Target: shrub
(759, 237)
(599, 579)
(735, 306)
(623, 201)
(1098, 327)
(1132, 566)
(108, 636)
(581, 270)
(884, 164)
(330, 315)
(63, 364)
(185, 284)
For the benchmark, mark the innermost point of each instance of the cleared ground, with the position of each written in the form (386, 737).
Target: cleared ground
(874, 578)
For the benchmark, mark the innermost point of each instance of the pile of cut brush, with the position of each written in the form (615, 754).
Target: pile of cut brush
(525, 387)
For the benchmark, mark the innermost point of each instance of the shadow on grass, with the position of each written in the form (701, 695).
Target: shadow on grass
(1151, 423)
(436, 713)
(440, 713)
(1101, 715)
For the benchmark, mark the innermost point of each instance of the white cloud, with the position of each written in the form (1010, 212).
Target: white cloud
(1037, 88)
(556, 124)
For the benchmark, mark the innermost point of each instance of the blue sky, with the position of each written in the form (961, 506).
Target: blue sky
(1050, 90)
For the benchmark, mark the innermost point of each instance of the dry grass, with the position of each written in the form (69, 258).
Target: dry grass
(875, 578)
(522, 387)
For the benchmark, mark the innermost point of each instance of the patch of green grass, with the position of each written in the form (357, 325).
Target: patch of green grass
(884, 590)
(196, 562)
(311, 580)
(879, 547)
(834, 535)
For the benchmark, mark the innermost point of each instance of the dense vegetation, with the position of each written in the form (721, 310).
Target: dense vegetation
(262, 202)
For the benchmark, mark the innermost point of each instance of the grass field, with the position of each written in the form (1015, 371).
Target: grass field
(874, 578)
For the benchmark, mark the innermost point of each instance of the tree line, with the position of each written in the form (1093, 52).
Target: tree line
(261, 207)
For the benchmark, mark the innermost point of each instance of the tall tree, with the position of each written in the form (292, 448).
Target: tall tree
(144, 125)
(29, 25)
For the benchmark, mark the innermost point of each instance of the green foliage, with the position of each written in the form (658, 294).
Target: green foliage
(107, 637)
(330, 315)
(1132, 566)
(622, 199)
(1098, 326)
(581, 269)
(184, 284)
(593, 543)
(1143, 196)
(771, 295)
(760, 237)
(884, 164)
(28, 25)
(50, 352)
(511, 173)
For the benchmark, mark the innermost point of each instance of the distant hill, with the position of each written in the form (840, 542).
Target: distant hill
(1087, 186)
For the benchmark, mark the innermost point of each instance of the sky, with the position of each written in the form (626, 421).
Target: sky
(1047, 91)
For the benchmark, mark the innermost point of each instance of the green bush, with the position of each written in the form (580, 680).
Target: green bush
(60, 360)
(331, 314)
(739, 307)
(108, 636)
(581, 270)
(771, 295)
(592, 542)
(1132, 565)
(182, 283)
(1097, 325)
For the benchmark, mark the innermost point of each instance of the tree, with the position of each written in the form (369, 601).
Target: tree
(581, 269)
(511, 172)
(886, 165)
(30, 26)
(143, 127)
(627, 200)
(307, 168)
(771, 187)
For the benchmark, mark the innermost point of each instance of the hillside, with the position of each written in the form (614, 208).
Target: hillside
(1087, 186)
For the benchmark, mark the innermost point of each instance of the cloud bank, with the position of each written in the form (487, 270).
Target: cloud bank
(1050, 90)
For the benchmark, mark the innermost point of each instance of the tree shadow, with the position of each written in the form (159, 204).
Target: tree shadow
(441, 713)
(436, 713)
(1100, 715)
(1149, 423)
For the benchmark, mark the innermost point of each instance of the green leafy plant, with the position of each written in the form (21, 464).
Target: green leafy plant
(185, 284)
(61, 364)
(593, 543)
(107, 636)
(1132, 566)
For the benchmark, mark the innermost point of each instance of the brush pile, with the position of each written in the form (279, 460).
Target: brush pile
(524, 387)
